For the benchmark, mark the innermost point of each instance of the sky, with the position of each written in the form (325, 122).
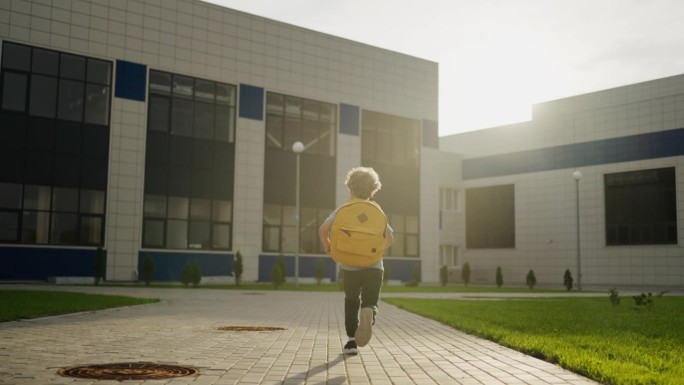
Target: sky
(498, 57)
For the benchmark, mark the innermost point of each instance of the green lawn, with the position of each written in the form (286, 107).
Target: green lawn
(617, 345)
(23, 304)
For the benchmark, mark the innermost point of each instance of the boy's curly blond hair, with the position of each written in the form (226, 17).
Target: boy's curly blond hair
(363, 182)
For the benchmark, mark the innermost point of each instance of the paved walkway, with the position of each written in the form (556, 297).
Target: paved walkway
(182, 329)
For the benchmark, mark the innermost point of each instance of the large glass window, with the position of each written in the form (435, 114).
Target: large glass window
(189, 163)
(290, 119)
(190, 107)
(390, 144)
(449, 199)
(490, 217)
(641, 207)
(182, 223)
(449, 255)
(406, 235)
(35, 214)
(280, 228)
(65, 86)
(54, 136)
(389, 139)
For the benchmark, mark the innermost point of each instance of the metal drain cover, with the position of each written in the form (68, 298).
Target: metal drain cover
(250, 328)
(128, 371)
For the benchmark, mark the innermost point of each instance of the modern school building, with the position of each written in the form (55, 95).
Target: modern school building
(164, 129)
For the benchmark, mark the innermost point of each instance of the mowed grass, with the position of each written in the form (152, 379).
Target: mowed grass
(617, 345)
(25, 304)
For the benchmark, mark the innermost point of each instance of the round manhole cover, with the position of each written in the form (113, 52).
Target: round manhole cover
(250, 328)
(128, 371)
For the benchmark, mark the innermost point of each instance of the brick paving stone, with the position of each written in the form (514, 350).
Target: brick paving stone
(183, 329)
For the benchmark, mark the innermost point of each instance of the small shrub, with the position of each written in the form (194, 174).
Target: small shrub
(100, 267)
(444, 275)
(238, 268)
(643, 301)
(320, 271)
(277, 276)
(148, 269)
(531, 279)
(465, 273)
(614, 297)
(499, 277)
(567, 279)
(283, 268)
(191, 274)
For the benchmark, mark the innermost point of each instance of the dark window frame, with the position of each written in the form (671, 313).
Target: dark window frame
(641, 207)
(48, 148)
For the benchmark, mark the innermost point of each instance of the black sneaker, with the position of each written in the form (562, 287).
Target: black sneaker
(350, 348)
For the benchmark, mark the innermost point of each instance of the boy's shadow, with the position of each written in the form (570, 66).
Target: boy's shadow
(300, 378)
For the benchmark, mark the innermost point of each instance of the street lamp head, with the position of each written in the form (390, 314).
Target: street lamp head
(577, 174)
(298, 147)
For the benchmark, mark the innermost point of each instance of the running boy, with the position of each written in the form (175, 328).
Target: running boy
(361, 284)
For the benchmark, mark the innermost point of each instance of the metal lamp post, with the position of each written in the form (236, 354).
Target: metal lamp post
(297, 148)
(578, 175)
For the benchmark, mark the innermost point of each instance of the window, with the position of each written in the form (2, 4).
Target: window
(190, 162)
(490, 217)
(65, 86)
(183, 223)
(641, 207)
(58, 105)
(280, 228)
(190, 107)
(36, 214)
(449, 255)
(290, 119)
(449, 199)
(389, 139)
(406, 235)
(391, 145)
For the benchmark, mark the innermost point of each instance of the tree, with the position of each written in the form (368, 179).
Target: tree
(100, 266)
(465, 273)
(238, 268)
(277, 276)
(148, 269)
(531, 280)
(499, 277)
(567, 279)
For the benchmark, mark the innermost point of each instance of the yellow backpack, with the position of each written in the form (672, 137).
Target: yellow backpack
(357, 234)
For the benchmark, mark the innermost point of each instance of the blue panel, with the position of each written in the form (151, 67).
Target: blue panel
(307, 266)
(251, 102)
(430, 134)
(29, 263)
(349, 119)
(169, 266)
(625, 149)
(131, 80)
(399, 269)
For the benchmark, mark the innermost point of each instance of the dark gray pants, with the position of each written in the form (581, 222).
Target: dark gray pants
(361, 289)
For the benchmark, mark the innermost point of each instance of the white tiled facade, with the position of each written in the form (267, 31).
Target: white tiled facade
(194, 38)
(545, 209)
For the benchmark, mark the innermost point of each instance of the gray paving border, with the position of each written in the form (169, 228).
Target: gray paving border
(183, 328)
